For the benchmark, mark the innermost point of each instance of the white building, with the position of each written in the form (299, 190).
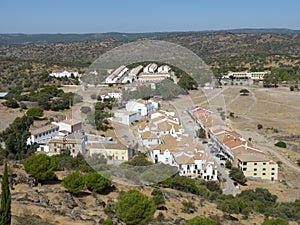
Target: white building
(150, 68)
(126, 117)
(142, 106)
(64, 73)
(135, 71)
(116, 95)
(246, 75)
(116, 75)
(164, 69)
(153, 77)
(69, 126)
(43, 134)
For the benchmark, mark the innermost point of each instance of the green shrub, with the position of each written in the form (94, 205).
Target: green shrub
(134, 208)
(277, 221)
(96, 183)
(281, 144)
(35, 112)
(238, 175)
(42, 167)
(74, 182)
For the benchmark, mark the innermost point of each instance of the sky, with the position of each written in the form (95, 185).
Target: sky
(132, 16)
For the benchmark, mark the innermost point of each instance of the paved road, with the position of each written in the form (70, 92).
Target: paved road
(190, 126)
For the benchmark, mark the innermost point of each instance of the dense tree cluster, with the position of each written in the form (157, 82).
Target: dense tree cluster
(99, 117)
(50, 98)
(75, 182)
(15, 137)
(42, 167)
(187, 82)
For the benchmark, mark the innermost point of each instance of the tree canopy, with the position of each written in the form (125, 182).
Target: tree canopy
(15, 138)
(42, 167)
(96, 183)
(74, 182)
(35, 112)
(5, 208)
(238, 175)
(187, 82)
(134, 208)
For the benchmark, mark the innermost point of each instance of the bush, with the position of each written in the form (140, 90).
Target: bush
(259, 126)
(298, 162)
(85, 109)
(281, 144)
(134, 208)
(42, 167)
(238, 175)
(158, 197)
(74, 182)
(140, 160)
(188, 206)
(11, 103)
(93, 96)
(292, 88)
(201, 221)
(107, 222)
(228, 164)
(96, 183)
(35, 112)
(277, 221)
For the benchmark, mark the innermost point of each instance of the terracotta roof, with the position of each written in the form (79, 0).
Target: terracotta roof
(71, 122)
(35, 131)
(143, 125)
(244, 149)
(184, 159)
(170, 141)
(164, 126)
(148, 135)
(141, 101)
(252, 158)
(108, 146)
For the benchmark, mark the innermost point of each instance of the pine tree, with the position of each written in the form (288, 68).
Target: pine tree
(5, 208)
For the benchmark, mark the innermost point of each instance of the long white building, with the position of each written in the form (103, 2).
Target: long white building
(246, 75)
(64, 73)
(116, 75)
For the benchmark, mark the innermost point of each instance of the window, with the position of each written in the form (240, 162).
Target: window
(255, 174)
(244, 169)
(263, 174)
(255, 169)
(264, 163)
(272, 173)
(264, 169)
(244, 163)
(255, 164)
(273, 169)
(73, 145)
(116, 157)
(122, 157)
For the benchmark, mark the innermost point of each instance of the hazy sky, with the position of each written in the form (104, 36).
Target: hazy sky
(91, 16)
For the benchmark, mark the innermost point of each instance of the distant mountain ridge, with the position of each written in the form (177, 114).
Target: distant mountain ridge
(65, 38)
